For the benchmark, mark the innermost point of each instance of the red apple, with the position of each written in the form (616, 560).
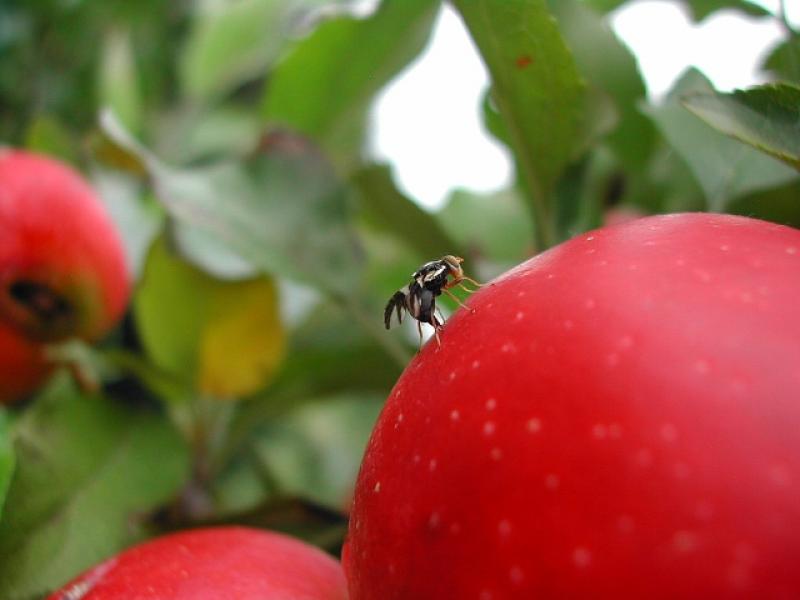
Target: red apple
(618, 418)
(223, 563)
(62, 266)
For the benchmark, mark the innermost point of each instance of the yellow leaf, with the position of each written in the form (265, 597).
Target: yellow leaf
(243, 341)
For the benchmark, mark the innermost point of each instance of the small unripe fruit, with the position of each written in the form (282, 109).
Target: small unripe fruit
(62, 266)
(230, 563)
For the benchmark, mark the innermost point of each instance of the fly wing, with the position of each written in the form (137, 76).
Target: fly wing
(396, 302)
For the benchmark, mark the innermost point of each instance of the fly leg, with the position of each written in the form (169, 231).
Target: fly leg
(457, 301)
(436, 327)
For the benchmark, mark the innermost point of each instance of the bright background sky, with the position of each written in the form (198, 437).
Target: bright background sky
(427, 121)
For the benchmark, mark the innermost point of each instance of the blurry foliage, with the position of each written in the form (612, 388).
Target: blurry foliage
(232, 153)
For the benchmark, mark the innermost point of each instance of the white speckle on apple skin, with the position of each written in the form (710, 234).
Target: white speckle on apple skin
(504, 528)
(599, 431)
(668, 433)
(581, 557)
(681, 471)
(625, 524)
(684, 541)
(644, 458)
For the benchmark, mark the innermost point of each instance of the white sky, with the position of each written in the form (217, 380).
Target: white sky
(428, 123)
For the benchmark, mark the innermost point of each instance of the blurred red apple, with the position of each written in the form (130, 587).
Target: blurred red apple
(62, 266)
(222, 563)
(618, 418)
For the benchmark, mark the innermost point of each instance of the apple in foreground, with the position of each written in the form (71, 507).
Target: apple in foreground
(216, 563)
(62, 266)
(618, 417)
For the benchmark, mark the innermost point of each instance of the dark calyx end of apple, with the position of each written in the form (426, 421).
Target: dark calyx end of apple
(38, 310)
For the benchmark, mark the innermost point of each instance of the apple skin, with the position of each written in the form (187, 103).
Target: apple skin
(230, 563)
(63, 272)
(618, 418)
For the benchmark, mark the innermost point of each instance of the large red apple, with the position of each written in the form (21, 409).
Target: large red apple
(618, 418)
(62, 266)
(223, 563)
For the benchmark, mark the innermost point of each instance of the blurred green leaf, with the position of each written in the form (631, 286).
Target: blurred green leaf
(765, 117)
(284, 211)
(6, 457)
(315, 452)
(311, 453)
(605, 5)
(118, 79)
(537, 90)
(223, 336)
(47, 135)
(324, 87)
(779, 205)
(725, 168)
(88, 472)
(384, 204)
(700, 9)
(609, 65)
(231, 42)
(583, 193)
(226, 131)
(784, 61)
(491, 226)
(209, 253)
(138, 218)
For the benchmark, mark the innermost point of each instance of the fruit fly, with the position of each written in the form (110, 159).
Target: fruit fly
(418, 298)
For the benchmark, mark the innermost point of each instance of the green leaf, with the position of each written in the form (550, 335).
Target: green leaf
(225, 337)
(492, 226)
(778, 205)
(324, 87)
(605, 5)
(47, 135)
(784, 61)
(766, 117)
(6, 457)
(383, 203)
(88, 472)
(610, 66)
(724, 168)
(315, 452)
(700, 9)
(537, 90)
(118, 84)
(138, 217)
(284, 211)
(231, 42)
